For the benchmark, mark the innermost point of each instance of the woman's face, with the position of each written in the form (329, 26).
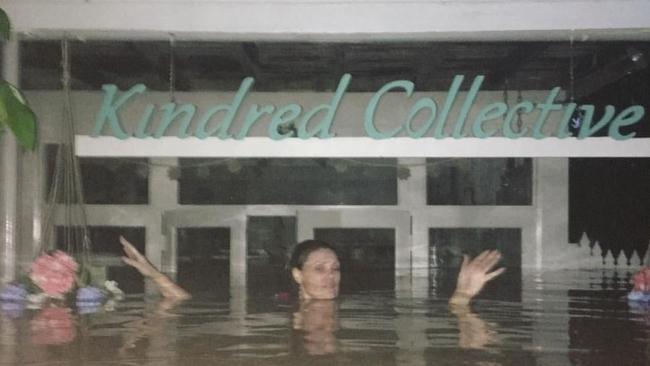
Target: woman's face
(319, 277)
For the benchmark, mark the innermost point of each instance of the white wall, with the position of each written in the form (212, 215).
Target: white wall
(319, 19)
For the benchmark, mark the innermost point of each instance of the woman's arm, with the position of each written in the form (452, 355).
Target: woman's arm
(474, 275)
(168, 288)
(473, 332)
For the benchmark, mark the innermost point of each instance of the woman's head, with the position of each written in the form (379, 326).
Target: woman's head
(315, 268)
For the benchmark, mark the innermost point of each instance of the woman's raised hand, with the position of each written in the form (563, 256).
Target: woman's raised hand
(474, 274)
(136, 260)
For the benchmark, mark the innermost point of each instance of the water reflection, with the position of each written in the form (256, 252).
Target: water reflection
(560, 320)
(473, 332)
(53, 325)
(151, 324)
(316, 323)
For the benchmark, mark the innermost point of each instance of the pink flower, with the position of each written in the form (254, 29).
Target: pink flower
(642, 280)
(65, 260)
(55, 273)
(53, 325)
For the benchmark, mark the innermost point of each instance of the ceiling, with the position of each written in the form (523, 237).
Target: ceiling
(585, 67)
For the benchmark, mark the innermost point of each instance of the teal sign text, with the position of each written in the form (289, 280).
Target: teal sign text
(184, 120)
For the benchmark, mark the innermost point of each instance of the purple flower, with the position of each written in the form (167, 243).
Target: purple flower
(14, 293)
(12, 309)
(87, 307)
(89, 295)
(643, 296)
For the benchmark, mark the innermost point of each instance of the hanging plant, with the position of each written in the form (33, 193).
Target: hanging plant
(15, 113)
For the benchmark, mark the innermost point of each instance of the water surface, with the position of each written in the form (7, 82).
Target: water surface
(562, 318)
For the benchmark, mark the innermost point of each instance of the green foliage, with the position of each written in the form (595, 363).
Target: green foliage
(30, 286)
(5, 26)
(16, 115)
(84, 276)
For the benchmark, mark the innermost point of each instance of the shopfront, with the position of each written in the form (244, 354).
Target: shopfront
(402, 140)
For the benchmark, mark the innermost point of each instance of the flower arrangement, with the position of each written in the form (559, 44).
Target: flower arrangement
(56, 276)
(641, 290)
(55, 280)
(54, 273)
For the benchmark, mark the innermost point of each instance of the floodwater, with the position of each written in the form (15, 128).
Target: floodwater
(559, 318)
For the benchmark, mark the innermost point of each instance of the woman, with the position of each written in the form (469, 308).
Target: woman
(316, 270)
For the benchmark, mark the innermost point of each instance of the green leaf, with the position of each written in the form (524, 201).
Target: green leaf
(30, 286)
(16, 114)
(83, 277)
(5, 26)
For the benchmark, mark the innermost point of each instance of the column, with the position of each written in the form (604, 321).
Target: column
(552, 212)
(163, 196)
(9, 177)
(551, 333)
(412, 197)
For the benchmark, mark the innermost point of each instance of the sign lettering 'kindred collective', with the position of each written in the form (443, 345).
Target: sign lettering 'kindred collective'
(217, 120)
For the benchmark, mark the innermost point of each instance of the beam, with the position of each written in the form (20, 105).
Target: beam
(401, 147)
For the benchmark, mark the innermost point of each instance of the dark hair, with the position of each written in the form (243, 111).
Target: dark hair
(303, 249)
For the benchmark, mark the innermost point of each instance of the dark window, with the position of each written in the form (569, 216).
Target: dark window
(203, 260)
(105, 181)
(480, 181)
(288, 181)
(446, 249)
(269, 239)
